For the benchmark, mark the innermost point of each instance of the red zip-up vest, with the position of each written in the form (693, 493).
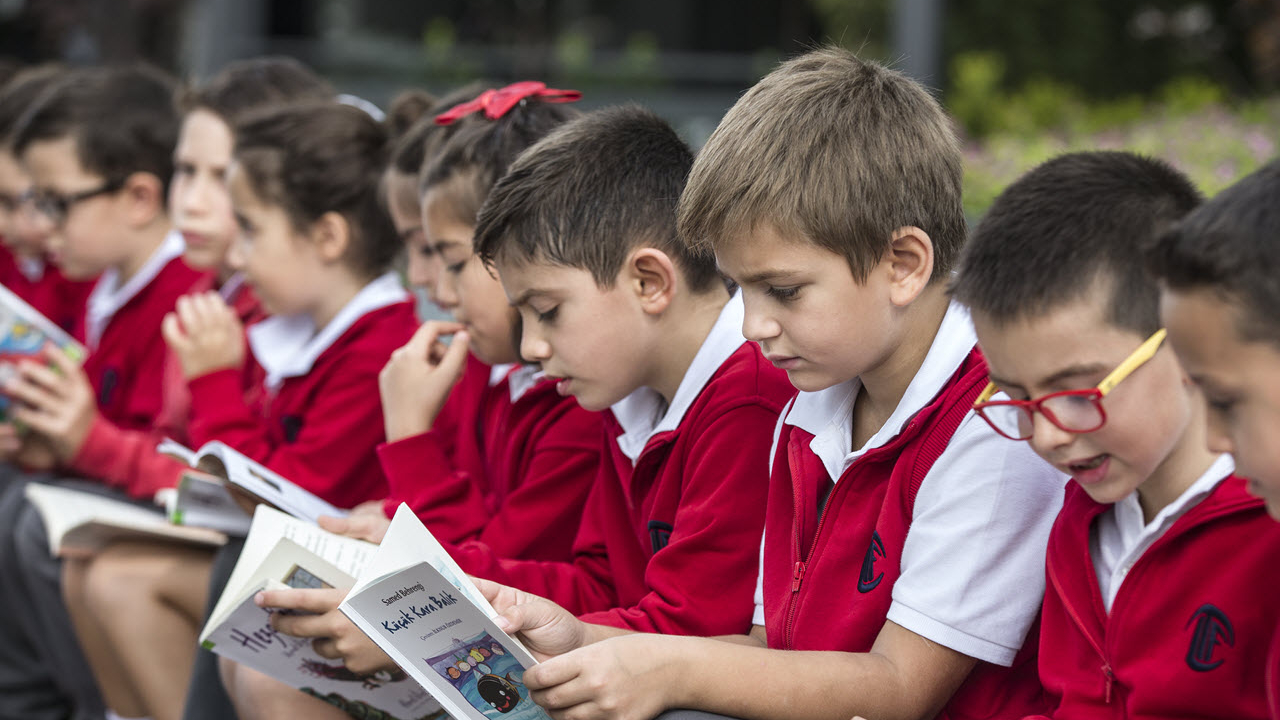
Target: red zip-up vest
(829, 576)
(1190, 629)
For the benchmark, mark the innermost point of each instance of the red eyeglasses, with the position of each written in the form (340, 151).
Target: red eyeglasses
(1075, 411)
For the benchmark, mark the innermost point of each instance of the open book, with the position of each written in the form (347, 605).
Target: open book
(80, 523)
(280, 552)
(220, 460)
(23, 334)
(415, 602)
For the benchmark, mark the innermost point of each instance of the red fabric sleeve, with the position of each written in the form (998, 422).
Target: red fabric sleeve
(126, 459)
(580, 586)
(703, 581)
(341, 422)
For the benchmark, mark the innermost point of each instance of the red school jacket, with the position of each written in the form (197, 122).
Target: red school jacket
(320, 430)
(671, 545)
(510, 478)
(1190, 627)
(816, 598)
(126, 369)
(127, 459)
(61, 300)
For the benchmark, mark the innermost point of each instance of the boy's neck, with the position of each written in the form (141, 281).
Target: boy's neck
(145, 242)
(686, 325)
(884, 385)
(1186, 462)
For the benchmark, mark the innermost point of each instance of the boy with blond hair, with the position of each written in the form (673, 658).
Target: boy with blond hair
(902, 534)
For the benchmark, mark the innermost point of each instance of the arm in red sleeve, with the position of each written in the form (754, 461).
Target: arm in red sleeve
(126, 459)
(420, 472)
(338, 420)
(703, 581)
(580, 586)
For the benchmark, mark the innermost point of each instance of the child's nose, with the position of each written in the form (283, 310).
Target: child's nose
(1047, 438)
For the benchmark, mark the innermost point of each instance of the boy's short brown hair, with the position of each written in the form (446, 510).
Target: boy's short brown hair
(835, 150)
(589, 193)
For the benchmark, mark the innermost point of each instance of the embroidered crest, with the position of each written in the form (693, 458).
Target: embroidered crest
(868, 579)
(1212, 628)
(659, 534)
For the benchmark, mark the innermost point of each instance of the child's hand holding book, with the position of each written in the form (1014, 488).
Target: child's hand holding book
(205, 334)
(55, 400)
(314, 614)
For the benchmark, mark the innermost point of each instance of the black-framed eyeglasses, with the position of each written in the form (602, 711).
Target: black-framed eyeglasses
(56, 207)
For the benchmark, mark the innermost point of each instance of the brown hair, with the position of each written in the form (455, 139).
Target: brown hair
(21, 92)
(835, 150)
(589, 193)
(248, 85)
(319, 157)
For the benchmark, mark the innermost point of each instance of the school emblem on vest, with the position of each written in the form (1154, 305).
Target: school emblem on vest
(868, 579)
(659, 534)
(1212, 628)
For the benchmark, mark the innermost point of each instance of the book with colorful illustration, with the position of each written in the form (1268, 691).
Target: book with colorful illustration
(282, 552)
(415, 602)
(24, 332)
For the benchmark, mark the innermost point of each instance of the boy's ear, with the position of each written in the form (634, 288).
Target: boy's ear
(143, 195)
(653, 277)
(332, 236)
(909, 263)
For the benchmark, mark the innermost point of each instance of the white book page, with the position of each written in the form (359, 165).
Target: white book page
(78, 522)
(270, 486)
(269, 525)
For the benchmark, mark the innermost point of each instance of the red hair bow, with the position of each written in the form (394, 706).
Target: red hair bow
(496, 103)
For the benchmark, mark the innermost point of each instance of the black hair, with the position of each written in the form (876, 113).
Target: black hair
(1231, 245)
(1068, 224)
(245, 86)
(592, 191)
(122, 119)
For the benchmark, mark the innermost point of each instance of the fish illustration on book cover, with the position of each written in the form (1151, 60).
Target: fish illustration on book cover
(488, 676)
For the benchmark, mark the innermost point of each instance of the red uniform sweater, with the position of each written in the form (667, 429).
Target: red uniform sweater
(126, 369)
(815, 598)
(127, 459)
(511, 478)
(1189, 631)
(61, 300)
(320, 430)
(671, 544)
(1273, 677)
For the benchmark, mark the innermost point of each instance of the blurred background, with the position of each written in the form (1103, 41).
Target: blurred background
(1196, 82)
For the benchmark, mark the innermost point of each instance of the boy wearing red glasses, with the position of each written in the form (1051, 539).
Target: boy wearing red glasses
(1160, 566)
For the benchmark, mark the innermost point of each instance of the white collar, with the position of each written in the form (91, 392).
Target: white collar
(109, 296)
(288, 345)
(32, 268)
(1128, 511)
(638, 413)
(828, 414)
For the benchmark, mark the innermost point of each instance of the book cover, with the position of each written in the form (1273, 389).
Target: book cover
(23, 334)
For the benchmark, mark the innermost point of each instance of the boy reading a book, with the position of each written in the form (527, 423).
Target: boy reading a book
(98, 146)
(628, 320)
(1129, 621)
(831, 193)
(1219, 301)
(25, 267)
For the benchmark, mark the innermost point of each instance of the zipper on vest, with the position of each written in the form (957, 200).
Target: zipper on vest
(797, 573)
(1110, 677)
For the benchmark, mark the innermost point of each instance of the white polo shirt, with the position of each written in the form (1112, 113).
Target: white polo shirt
(1121, 535)
(973, 562)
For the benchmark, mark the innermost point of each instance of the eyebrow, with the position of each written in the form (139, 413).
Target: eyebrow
(524, 297)
(765, 275)
(1059, 376)
(443, 245)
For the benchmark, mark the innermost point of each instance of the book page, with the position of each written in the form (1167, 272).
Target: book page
(408, 542)
(448, 645)
(81, 523)
(177, 451)
(268, 486)
(202, 500)
(269, 525)
(247, 637)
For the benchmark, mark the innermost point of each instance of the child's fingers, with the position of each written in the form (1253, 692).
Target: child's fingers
(553, 672)
(171, 329)
(44, 377)
(60, 360)
(29, 393)
(312, 601)
(455, 357)
(312, 626)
